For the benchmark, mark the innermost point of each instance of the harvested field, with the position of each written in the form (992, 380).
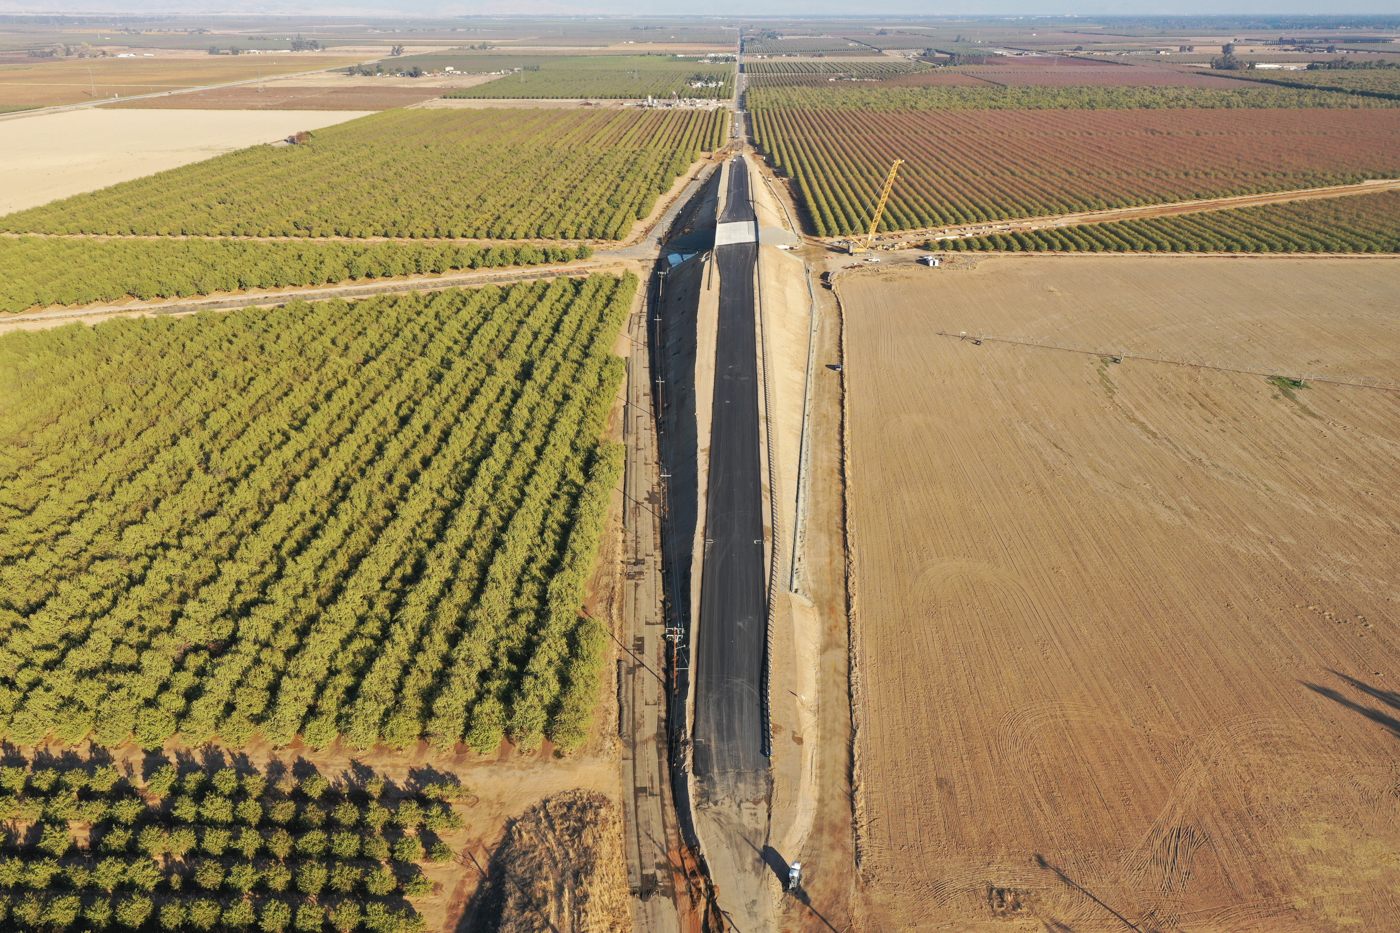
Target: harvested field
(1126, 635)
(52, 82)
(55, 155)
(277, 96)
(968, 165)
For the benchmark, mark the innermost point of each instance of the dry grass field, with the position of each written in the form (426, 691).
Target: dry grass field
(1126, 634)
(48, 83)
(54, 155)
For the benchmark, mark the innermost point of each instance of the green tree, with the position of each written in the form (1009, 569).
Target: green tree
(380, 882)
(239, 915)
(375, 847)
(417, 886)
(62, 911)
(277, 877)
(345, 845)
(162, 782)
(311, 918)
(173, 915)
(182, 841)
(347, 916)
(280, 843)
(215, 841)
(315, 786)
(204, 914)
(276, 916)
(282, 812)
(312, 878)
(226, 782)
(209, 874)
(55, 840)
(242, 877)
(142, 874)
(249, 811)
(153, 841)
(313, 844)
(408, 849)
(99, 913)
(249, 842)
(134, 911)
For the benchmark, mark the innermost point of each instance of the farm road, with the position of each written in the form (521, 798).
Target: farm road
(618, 260)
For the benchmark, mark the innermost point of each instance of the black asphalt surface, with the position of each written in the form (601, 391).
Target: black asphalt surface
(732, 636)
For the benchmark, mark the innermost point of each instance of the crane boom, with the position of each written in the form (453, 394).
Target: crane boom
(880, 206)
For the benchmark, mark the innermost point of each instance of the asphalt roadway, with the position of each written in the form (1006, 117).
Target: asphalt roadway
(732, 636)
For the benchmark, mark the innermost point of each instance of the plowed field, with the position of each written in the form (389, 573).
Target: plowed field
(1126, 634)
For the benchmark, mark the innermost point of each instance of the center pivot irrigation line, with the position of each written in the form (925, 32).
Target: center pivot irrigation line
(1119, 356)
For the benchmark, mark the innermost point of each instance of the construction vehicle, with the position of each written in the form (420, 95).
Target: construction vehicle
(857, 246)
(795, 876)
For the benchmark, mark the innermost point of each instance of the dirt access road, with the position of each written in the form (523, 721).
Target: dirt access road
(1129, 213)
(1126, 635)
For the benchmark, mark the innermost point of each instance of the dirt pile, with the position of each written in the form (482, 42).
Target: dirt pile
(559, 869)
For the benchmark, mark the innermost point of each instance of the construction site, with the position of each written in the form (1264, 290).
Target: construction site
(1003, 585)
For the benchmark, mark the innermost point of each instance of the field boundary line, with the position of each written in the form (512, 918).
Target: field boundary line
(855, 686)
(1118, 356)
(357, 291)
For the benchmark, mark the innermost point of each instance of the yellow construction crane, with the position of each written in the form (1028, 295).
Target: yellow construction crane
(858, 247)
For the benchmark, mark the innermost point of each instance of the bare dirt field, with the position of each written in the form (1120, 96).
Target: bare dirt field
(280, 96)
(54, 155)
(51, 82)
(1125, 635)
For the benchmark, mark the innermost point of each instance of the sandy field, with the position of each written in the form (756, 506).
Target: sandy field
(1125, 634)
(55, 155)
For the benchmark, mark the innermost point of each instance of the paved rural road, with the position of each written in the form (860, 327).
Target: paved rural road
(732, 635)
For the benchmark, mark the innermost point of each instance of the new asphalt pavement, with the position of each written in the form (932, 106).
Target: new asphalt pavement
(732, 635)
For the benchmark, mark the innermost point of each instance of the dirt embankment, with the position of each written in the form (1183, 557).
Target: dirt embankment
(1127, 633)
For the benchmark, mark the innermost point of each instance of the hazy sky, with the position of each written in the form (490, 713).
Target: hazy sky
(748, 8)
(723, 7)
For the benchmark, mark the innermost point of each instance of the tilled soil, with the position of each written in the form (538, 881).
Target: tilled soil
(1125, 634)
